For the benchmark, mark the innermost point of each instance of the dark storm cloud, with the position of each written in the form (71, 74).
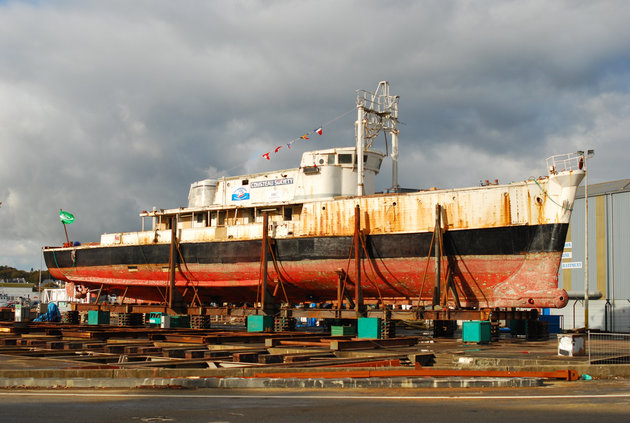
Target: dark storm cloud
(110, 108)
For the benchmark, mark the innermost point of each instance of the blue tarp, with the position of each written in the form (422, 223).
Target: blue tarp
(52, 315)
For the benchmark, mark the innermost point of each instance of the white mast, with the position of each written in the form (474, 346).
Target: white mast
(376, 111)
(360, 144)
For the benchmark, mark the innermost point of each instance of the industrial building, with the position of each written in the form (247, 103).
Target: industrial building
(608, 259)
(16, 293)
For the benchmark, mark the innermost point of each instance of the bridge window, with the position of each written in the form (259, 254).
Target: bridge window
(345, 159)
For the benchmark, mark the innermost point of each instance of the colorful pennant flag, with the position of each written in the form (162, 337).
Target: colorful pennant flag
(319, 131)
(66, 217)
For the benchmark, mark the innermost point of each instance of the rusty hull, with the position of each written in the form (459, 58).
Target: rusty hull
(506, 248)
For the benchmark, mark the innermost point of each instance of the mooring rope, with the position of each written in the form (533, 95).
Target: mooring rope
(548, 196)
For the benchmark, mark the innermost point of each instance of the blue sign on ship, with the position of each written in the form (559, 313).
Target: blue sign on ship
(240, 194)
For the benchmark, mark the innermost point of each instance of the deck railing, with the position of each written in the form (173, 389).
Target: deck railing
(564, 162)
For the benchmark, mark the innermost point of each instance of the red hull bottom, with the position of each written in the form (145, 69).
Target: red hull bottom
(528, 280)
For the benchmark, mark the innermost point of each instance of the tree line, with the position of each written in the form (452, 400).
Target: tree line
(8, 273)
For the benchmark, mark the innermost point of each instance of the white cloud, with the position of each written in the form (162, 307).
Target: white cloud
(109, 108)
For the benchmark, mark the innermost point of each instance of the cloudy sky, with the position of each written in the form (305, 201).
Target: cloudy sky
(108, 108)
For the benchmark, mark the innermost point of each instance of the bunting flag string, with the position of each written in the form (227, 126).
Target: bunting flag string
(307, 136)
(304, 137)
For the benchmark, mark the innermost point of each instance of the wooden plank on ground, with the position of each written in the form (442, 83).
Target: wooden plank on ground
(357, 344)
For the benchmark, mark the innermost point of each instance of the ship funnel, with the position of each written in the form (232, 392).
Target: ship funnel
(202, 193)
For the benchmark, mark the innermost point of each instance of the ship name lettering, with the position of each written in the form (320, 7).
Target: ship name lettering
(272, 183)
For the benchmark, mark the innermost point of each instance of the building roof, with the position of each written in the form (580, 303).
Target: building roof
(612, 187)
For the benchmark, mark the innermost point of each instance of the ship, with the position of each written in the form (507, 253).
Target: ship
(320, 233)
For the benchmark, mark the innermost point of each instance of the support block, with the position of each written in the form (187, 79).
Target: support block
(342, 330)
(256, 323)
(369, 328)
(476, 331)
(22, 313)
(98, 317)
(182, 321)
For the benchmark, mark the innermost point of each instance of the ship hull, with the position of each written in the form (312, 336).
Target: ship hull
(513, 266)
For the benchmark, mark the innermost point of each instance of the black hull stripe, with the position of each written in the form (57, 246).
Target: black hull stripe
(514, 240)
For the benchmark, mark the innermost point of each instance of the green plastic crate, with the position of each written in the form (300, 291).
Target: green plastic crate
(476, 331)
(369, 328)
(180, 321)
(98, 317)
(155, 318)
(257, 323)
(342, 330)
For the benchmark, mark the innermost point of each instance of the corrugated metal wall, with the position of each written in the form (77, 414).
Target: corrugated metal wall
(609, 263)
(620, 229)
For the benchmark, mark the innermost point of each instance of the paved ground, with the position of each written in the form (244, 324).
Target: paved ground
(508, 354)
(575, 402)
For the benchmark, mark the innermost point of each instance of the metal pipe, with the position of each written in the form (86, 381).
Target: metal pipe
(39, 282)
(574, 304)
(588, 155)
(340, 279)
(394, 133)
(585, 245)
(360, 136)
(438, 255)
(612, 261)
(263, 258)
(358, 292)
(172, 258)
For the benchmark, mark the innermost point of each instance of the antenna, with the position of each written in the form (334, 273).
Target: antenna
(376, 112)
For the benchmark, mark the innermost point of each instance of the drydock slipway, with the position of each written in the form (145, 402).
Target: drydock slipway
(266, 243)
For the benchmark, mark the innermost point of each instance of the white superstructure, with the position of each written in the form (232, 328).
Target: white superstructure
(323, 174)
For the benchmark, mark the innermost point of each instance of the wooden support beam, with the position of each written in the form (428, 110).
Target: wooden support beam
(438, 255)
(307, 340)
(358, 291)
(265, 259)
(171, 263)
(338, 345)
(341, 279)
(266, 300)
(98, 296)
(559, 374)
(124, 295)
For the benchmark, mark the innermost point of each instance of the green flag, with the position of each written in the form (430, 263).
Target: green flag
(66, 217)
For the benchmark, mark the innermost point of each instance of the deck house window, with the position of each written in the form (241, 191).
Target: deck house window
(247, 216)
(345, 159)
(287, 212)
